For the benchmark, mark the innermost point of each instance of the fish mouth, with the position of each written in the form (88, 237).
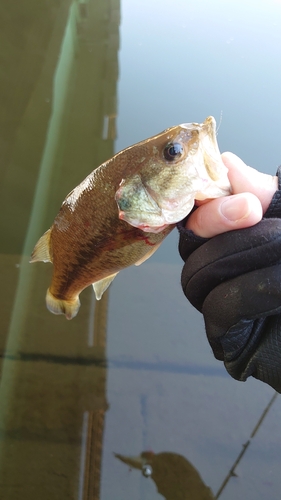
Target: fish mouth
(209, 126)
(211, 158)
(207, 133)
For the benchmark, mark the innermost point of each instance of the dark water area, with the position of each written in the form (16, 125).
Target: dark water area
(126, 401)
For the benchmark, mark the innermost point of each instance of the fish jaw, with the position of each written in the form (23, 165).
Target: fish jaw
(163, 192)
(217, 183)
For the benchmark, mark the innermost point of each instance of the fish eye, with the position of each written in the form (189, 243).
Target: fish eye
(173, 151)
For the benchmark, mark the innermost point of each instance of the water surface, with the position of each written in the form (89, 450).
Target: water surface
(134, 372)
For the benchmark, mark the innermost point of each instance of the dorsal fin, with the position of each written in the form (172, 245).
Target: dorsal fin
(101, 285)
(42, 249)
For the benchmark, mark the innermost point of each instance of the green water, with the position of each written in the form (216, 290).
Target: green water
(134, 372)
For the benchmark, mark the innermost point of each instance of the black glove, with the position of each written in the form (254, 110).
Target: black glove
(234, 279)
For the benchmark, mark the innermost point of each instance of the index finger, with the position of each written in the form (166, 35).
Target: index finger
(246, 179)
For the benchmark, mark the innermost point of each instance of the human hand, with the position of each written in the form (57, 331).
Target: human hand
(252, 194)
(234, 278)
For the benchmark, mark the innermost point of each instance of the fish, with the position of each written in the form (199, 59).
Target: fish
(122, 211)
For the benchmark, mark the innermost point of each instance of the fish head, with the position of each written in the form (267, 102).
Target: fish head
(174, 168)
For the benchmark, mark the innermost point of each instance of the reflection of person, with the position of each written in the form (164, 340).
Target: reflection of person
(234, 277)
(174, 476)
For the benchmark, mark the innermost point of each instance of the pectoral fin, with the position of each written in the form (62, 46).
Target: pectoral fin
(148, 254)
(100, 286)
(42, 249)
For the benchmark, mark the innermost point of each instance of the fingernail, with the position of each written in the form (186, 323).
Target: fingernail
(235, 208)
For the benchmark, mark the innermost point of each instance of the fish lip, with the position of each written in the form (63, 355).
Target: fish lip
(211, 128)
(209, 124)
(211, 153)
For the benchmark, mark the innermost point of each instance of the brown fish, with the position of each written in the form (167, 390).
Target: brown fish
(121, 212)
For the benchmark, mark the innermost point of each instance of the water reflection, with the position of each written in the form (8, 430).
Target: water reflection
(63, 61)
(175, 477)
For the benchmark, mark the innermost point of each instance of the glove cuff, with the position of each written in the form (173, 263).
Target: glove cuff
(189, 242)
(274, 209)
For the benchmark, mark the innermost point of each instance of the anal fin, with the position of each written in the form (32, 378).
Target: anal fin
(101, 285)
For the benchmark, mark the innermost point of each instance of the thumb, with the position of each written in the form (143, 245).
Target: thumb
(252, 194)
(225, 214)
